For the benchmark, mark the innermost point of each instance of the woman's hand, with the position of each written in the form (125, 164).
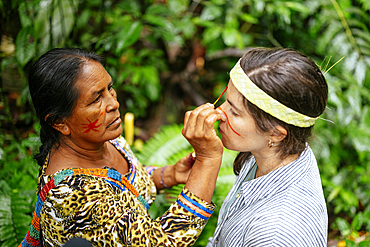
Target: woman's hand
(199, 131)
(200, 178)
(173, 174)
(182, 170)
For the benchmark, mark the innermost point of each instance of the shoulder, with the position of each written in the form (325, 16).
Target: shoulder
(124, 148)
(122, 145)
(287, 223)
(70, 193)
(292, 217)
(73, 184)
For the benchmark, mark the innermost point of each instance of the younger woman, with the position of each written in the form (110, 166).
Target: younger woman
(274, 97)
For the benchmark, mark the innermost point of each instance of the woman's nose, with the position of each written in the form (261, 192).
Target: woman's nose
(222, 114)
(113, 104)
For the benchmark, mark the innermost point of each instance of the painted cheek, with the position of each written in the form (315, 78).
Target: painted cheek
(228, 122)
(92, 125)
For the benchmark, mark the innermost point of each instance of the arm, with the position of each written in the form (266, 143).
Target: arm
(114, 212)
(168, 176)
(118, 215)
(199, 131)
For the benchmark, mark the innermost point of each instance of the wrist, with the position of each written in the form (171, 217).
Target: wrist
(205, 161)
(167, 177)
(162, 178)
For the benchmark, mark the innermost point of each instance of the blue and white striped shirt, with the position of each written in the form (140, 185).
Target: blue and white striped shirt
(283, 208)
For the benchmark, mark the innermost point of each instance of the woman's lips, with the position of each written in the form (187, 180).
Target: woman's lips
(115, 122)
(219, 129)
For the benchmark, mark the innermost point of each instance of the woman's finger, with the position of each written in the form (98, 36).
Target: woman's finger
(201, 121)
(191, 120)
(208, 128)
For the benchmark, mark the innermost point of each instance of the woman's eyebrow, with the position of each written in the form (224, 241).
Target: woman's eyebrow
(96, 93)
(236, 108)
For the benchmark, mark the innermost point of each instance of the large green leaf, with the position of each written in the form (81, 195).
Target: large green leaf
(178, 6)
(25, 45)
(211, 34)
(232, 37)
(128, 35)
(211, 12)
(54, 22)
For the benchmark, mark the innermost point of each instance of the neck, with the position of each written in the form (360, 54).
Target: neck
(70, 149)
(269, 164)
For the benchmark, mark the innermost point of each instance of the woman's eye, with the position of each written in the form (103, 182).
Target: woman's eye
(97, 99)
(233, 113)
(111, 89)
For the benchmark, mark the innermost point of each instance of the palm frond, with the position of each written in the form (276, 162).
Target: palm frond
(163, 145)
(15, 218)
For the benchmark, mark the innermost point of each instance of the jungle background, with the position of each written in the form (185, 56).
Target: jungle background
(169, 56)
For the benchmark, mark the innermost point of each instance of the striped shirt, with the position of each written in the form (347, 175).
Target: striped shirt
(286, 207)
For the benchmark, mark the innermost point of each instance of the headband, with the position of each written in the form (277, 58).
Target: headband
(265, 102)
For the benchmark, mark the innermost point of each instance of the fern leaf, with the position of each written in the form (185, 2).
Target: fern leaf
(358, 33)
(163, 145)
(325, 40)
(353, 24)
(7, 230)
(11, 242)
(15, 211)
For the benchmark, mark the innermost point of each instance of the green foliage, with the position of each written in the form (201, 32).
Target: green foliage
(18, 181)
(344, 155)
(175, 54)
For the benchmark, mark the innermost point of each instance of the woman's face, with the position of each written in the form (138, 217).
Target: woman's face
(96, 117)
(250, 139)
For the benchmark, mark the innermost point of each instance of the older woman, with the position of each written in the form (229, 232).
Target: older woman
(91, 185)
(274, 98)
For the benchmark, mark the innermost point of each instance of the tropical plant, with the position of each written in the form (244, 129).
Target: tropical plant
(18, 180)
(342, 29)
(167, 56)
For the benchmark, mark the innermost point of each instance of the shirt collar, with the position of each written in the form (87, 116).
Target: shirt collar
(277, 180)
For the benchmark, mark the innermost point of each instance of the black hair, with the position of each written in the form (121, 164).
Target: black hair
(294, 80)
(52, 80)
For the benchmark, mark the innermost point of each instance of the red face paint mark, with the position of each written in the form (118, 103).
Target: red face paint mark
(227, 118)
(91, 125)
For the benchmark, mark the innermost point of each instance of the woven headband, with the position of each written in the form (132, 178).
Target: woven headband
(265, 102)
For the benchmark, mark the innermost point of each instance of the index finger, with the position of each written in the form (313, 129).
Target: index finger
(191, 116)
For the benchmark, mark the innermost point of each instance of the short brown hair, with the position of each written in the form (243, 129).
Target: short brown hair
(294, 80)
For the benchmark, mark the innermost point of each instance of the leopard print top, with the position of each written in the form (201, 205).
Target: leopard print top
(97, 204)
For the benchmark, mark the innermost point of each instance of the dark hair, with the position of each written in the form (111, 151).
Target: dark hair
(52, 81)
(294, 80)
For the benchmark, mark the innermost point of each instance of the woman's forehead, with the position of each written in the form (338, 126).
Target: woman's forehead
(234, 95)
(92, 74)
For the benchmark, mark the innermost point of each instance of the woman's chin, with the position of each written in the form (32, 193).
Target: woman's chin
(116, 133)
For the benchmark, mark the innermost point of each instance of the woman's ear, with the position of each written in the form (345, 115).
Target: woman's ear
(60, 125)
(278, 134)
(62, 128)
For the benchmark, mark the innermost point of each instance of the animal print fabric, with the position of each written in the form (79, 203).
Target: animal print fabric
(100, 208)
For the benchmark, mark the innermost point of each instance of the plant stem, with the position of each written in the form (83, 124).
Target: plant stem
(346, 27)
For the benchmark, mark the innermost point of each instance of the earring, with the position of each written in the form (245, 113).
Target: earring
(270, 144)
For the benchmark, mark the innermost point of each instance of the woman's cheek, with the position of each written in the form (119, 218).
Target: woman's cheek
(228, 121)
(92, 124)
